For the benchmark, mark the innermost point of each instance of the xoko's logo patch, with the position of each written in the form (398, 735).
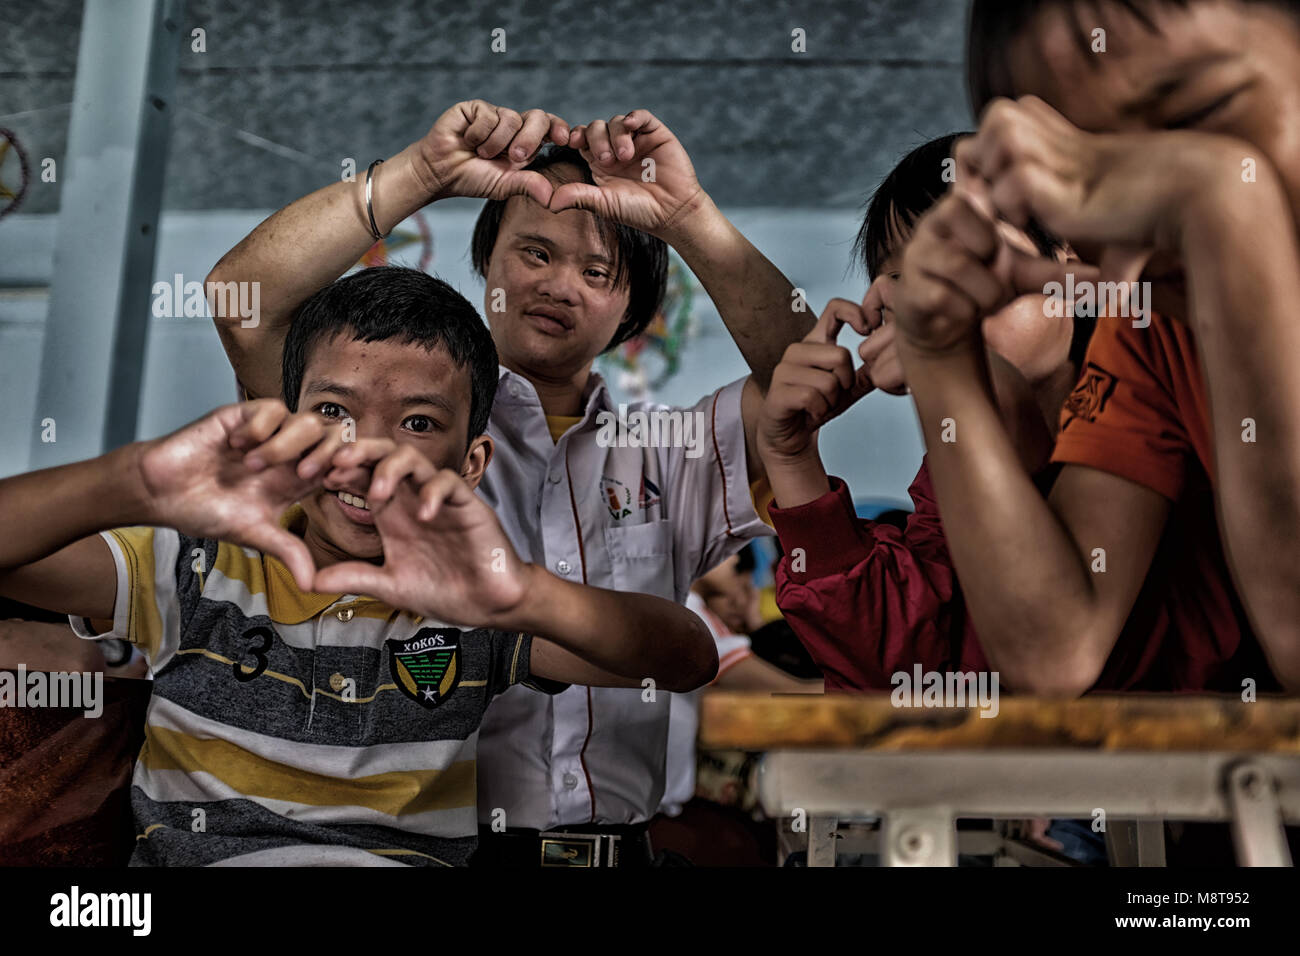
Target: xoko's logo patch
(426, 668)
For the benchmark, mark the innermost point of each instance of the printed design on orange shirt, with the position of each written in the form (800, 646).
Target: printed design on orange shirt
(618, 497)
(1090, 395)
(426, 668)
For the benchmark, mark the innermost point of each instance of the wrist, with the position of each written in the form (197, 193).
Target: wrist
(798, 481)
(530, 610)
(693, 222)
(408, 184)
(132, 502)
(959, 352)
(945, 380)
(790, 459)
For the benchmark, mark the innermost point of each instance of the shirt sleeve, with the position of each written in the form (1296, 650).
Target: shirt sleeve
(866, 598)
(709, 489)
(145, 611)
(1123, 416)
(511, 664)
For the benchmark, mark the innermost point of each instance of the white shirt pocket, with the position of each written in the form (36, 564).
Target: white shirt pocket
(641, 558)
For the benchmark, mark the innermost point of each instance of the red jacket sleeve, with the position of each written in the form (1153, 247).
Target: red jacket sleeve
(867, 599)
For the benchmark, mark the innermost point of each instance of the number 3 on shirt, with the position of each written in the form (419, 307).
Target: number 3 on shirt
(259, 654)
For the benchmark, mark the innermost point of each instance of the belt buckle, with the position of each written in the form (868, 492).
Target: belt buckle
(577, 849)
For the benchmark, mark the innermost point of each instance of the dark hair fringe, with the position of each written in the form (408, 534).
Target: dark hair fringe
(392, 302)
(904, 196)
(640, 259)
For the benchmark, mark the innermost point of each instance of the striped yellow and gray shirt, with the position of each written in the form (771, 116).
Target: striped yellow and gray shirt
(288, 728)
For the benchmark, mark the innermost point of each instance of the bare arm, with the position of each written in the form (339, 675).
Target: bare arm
(600, 637)
(1243, 270)
(754, 298)
(798, 477)
(1047, 622)
(313, 241)
(302, 248)
(50, 553)
(41, 646)
(754, 673)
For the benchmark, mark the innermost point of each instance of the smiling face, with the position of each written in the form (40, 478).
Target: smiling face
(1217, 66)
(557, 272)
(389, 389)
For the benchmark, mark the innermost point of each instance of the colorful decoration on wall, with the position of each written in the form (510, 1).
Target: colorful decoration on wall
(11, 196)
(646, 362)
(378, 254)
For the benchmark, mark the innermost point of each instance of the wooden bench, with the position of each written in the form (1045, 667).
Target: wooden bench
(1131, 759)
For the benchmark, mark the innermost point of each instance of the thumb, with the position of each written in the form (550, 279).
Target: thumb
(834, 317)
(876, 301)
(578, 196)
(353, 577)
(970, 185)
(528, 182)
(1028, 274)
(290, 549)
(862, 385)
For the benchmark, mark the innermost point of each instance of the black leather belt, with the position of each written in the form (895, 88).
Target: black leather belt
(585, 845)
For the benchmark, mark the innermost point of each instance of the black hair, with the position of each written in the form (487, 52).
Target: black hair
(910, 189)
(391, 302)
(995, 24)
(640, 259)
(745, 559)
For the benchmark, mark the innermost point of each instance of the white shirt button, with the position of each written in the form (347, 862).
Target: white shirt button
(515, 390)
(554, 479)
(570, 781)
(563, 567)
